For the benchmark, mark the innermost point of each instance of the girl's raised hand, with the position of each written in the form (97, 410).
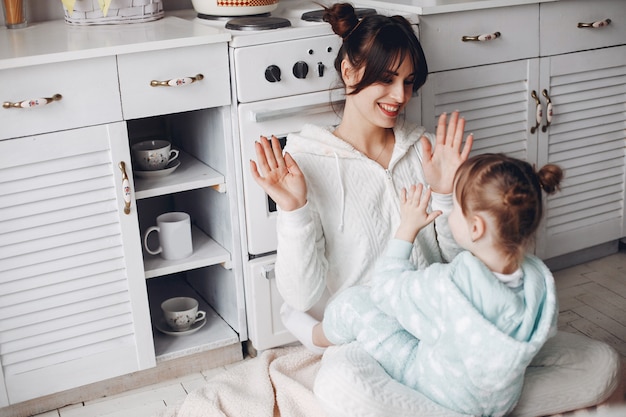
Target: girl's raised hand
(280, 176)
(440, 164)
(414, 215)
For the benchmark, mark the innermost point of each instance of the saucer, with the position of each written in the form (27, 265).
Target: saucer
(164, 328)
(158, 173)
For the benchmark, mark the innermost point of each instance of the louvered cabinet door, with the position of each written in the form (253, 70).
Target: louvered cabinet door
(587, 137)
(73, 303)
(495, 101)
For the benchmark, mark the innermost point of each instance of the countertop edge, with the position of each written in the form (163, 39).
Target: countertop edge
(169, 32)
(437, 8)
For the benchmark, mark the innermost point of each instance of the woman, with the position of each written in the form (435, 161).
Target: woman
(337, 192)
(333, 226)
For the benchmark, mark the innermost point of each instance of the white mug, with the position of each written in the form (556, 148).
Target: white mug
(181, 313)
(152, 155)
(174, 230)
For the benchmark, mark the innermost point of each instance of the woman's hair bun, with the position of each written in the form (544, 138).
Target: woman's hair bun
(342, 18)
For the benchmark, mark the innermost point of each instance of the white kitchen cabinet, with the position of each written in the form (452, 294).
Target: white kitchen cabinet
(195, 118)
(79, 300)
(583, 72)
(74, 308)
(505, 104)
(203, 187)
(587, 137)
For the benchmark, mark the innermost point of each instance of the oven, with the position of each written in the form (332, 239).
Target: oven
(281, 79)
(279, 117)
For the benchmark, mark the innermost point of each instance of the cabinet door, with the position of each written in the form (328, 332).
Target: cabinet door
(73, 304)
(494, 99)
(587, 137)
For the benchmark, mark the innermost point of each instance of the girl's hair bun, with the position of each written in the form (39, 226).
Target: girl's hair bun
(550, 177)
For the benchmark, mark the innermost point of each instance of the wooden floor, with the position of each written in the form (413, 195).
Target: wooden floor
(592, 299)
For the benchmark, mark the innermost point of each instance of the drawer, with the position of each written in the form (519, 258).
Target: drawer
(89, 96)
(441, 36)
(176, 66)
(559, 25)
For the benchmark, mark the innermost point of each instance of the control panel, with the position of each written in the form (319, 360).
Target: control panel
(286, 68)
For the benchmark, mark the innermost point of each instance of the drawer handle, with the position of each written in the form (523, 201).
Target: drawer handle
(595, 25)
(481, 38)
(538, 113)
(549, 112)
(26, 104)
(176, 82)
(125, 188)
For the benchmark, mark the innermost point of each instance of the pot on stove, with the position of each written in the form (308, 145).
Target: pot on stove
(233, 7)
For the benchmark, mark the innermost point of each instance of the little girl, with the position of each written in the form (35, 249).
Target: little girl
(461, 333)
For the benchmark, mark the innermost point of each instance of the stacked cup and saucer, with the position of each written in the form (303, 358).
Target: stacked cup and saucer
(181, 316)
(155, 158)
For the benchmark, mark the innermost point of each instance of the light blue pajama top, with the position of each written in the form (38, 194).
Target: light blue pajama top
(465, 338)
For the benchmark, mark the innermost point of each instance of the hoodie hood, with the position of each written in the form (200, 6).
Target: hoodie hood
(321, 141)
(502, 358)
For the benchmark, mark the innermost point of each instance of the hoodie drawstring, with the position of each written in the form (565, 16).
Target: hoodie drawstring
(343, 193)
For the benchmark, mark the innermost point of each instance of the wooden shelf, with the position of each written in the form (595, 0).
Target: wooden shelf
(214, 334)
(206, 252)
(190, 175)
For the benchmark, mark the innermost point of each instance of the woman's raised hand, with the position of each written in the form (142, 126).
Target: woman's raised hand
(280, 176)
(440, 164)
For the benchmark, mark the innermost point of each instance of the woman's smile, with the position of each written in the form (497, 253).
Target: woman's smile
(389, 110)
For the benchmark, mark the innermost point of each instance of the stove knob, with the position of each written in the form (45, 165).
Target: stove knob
(320, 69)
(272, 74)
(300, 69)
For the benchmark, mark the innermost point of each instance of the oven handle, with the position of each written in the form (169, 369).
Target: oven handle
(264, 116)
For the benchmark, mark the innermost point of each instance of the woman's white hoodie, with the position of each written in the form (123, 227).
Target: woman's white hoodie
(352, 211)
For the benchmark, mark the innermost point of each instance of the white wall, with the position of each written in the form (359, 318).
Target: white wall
(42, 10)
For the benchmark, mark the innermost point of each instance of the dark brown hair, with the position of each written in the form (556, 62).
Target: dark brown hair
(509, 190)
(375, 43)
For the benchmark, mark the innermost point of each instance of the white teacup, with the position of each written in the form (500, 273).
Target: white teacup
(174, 230)
(181, 313)
(152, 155)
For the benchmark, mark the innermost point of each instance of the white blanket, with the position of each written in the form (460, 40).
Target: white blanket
(279, 382)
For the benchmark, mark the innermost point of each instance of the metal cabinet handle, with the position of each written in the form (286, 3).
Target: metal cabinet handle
(481, 38)
(177, 82)
(549, 112)
(35, 102)
(538, 113)
(595, 25)
(125, 188)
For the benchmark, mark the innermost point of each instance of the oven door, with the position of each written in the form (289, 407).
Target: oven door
(277, 117)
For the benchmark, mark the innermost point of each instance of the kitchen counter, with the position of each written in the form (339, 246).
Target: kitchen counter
(57, 41)
(427, 7)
